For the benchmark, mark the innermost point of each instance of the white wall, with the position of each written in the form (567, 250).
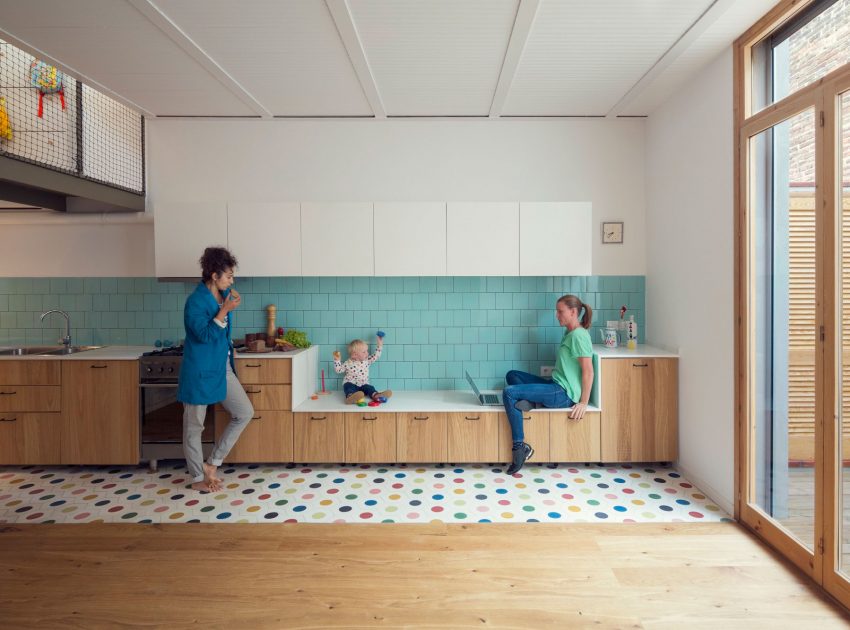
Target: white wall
(690, 265)
(411, 160)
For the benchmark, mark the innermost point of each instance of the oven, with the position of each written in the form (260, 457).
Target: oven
(160, 413)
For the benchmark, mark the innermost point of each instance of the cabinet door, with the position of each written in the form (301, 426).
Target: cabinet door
(555, 239)
(482, 239)
(319, 437)
(574, 440)
(266, 237)
(270, 396)
(266, 439)
(422, 437)
(30, 397)
(100, 412)
(29, 438)
(30, 372)
(410, 239)
(181, 233)
(261, 371)
(535, 426)
(639, 410)
(370, 437)
(336, 239)
(474, 436)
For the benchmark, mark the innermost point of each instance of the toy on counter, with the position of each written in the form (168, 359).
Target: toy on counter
(324, 392)
(381, 334)
(362, 402)
(374, 403)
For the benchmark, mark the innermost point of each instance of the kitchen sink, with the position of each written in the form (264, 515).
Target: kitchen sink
(45, 350)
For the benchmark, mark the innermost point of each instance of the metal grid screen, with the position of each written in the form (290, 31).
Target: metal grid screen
(50, 119)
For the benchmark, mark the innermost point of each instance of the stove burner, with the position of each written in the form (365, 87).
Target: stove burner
(172, 351)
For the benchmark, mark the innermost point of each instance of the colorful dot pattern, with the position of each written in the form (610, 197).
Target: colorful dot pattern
(325, 493)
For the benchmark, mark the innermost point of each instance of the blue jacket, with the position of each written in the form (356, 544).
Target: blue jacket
(203, 370)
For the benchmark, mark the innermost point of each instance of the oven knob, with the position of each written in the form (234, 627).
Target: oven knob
(149, 370)
(170, 370)
(161, 369)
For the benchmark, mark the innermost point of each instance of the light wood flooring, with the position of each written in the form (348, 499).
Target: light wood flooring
(674, 575)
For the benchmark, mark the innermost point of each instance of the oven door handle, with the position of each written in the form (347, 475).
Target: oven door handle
(157, 385)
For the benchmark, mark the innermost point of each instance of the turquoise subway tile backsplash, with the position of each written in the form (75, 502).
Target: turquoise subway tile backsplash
(437, 327)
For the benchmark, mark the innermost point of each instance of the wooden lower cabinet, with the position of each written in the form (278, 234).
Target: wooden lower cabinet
(269, 396)
(100, 412)
(370, 437)
(422, 437)
(266, 439)
(574, 440)
(30, 398)
(474, 436)
(319, 437)
(640, 410)
(536, 430)
(29, 438)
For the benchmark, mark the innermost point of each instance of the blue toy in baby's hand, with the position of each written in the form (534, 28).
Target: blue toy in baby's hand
(381, 334)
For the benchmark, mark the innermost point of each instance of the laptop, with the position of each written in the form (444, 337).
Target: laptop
(494, 400)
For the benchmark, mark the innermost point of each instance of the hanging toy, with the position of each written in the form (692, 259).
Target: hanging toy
(47, 80)
(5, 125)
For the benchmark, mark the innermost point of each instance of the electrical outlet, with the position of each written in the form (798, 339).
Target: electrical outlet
(546, 370)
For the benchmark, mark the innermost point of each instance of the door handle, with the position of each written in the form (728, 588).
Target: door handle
(257, 418)
(318, 417)
(249, 365)
(475, 418)
(640, 364)
(8, 393)
(8, 419)
(420, 417)
(98, 367)
(372, 418)
(254, 391)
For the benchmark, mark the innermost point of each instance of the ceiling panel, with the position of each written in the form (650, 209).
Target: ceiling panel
(287, 55)
(582, 57)
(715, 39)
(112, 43)
(435, 58)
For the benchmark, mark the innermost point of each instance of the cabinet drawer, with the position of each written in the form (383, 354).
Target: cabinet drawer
(270, 396)
(267, 438)
(474, 436)
(30, 373)
(574, 440)
(422, 437)
(30, 398)
(370, 437)
(536, 430)
(319, 437)
(29, 438)
(264, 371)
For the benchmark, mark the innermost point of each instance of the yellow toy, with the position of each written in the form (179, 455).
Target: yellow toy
(5, 126)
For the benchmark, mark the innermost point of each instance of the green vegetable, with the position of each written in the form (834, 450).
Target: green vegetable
(297, 338)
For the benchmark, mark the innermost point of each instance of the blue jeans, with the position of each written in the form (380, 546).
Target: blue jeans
(350, 388)
(525, 386)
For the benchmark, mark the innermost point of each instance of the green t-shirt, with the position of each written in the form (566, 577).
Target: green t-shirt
(567, 372)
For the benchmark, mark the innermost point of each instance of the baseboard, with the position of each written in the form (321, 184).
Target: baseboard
(707, 489)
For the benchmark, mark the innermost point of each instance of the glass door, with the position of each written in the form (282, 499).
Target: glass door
(782, 307)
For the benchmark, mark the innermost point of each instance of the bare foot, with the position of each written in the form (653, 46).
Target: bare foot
(205, 486)
(209, 472)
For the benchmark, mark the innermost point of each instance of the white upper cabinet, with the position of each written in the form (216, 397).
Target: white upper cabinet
(410, 239)
(336, 239)
(265, 237)
(555, 239)
(483, 239)
(181, 233)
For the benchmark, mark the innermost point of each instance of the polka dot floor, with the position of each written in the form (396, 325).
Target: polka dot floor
(325, 493)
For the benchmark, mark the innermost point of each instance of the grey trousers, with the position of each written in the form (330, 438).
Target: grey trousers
(241, 411)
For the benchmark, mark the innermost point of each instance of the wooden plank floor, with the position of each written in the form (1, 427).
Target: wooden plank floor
(679, 575)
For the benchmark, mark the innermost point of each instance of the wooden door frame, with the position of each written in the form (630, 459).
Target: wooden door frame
(823, 564)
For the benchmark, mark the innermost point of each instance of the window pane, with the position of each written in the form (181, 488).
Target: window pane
(782, 201)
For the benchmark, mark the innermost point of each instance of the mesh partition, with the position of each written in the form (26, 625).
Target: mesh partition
(50, 119)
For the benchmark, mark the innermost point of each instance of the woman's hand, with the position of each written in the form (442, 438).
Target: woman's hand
(578, 411)
(232, 302)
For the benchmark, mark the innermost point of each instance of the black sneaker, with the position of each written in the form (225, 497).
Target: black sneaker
(520, 455)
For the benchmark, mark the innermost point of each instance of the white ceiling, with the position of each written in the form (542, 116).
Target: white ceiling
(381, 57)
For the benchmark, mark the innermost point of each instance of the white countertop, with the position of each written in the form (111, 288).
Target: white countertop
(446, 400)
(643, 351)
(131, 353)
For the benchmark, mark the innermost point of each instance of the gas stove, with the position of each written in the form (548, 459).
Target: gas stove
(160, 366)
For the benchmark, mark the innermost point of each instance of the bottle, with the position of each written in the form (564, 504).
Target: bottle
(632, 334)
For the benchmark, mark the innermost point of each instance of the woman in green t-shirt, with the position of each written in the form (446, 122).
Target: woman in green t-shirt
(571, 379)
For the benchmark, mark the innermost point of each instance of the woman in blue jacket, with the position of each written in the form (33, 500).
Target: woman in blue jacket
(207, 373)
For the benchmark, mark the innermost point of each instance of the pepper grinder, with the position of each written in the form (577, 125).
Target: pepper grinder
(271, 311)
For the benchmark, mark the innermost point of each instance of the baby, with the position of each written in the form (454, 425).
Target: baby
(355, 385)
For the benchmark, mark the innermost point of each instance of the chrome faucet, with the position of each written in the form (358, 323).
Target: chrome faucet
(67, 338)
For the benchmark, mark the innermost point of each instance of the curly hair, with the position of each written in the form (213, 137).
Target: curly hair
(216, 260)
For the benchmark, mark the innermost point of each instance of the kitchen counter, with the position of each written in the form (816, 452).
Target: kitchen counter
(643, 351)
(130, 353)
(445, 400)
